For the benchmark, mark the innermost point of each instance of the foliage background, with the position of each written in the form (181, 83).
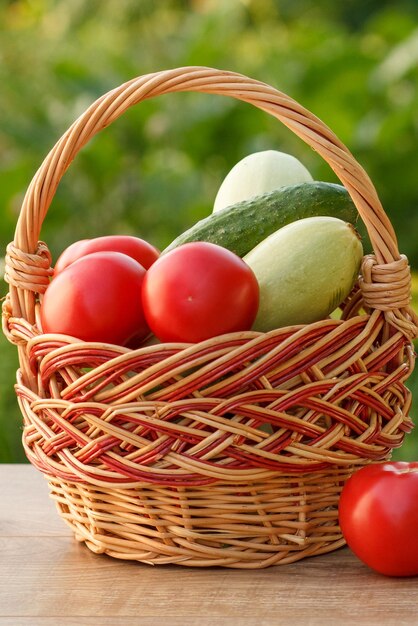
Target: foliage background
(156, 171)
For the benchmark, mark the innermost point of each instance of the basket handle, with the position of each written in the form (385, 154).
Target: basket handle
(307, 126)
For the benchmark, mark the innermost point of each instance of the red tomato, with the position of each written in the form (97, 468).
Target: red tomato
(137, 248)
(197, 291)
(378, 513)
(97, 298)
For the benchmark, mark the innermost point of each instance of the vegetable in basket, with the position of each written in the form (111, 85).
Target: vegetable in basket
(257, 174)
(198, 291)
(137, 248)
(304, 270)
(242, 226)
(97, 298)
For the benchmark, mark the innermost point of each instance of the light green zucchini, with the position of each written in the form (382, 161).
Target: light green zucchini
(304, 270)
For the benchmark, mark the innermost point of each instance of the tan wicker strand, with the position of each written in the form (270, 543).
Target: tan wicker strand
(226, 528)
(231, 452)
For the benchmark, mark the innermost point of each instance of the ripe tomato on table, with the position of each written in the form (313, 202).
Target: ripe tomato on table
(197, 291)
(97, 298)
(137, 248)
(378, 514)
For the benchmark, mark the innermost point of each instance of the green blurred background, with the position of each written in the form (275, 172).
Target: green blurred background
(157, 170)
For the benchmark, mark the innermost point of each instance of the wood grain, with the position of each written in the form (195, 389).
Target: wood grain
(47, 578)
(26, 509)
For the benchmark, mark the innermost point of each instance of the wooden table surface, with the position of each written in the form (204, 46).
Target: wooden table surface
(49, 579)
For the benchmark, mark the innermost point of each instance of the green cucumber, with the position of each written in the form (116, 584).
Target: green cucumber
(304, 271)
(242, 226)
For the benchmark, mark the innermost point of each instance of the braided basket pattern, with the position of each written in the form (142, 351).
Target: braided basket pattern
(233, 451)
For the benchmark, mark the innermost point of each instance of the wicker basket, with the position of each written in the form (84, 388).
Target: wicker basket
(159, 454)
